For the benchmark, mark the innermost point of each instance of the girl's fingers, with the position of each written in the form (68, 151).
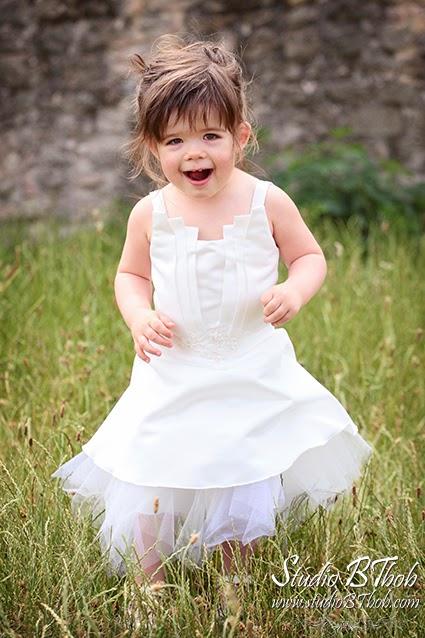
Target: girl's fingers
(163, 324)
(276, 315)
(154, 335)
(167, 334)
(284, 318)
(141, 354)
(158, 330)
(272, 307)
(147, 346)
(169, 323)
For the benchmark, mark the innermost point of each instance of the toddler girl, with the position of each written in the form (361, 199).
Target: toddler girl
(220, 428)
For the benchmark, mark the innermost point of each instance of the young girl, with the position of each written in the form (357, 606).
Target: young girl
(220, 428)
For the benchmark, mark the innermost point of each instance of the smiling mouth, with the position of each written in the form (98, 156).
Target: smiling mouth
(200, 175)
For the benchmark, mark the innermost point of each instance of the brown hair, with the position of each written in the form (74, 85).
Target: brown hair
(184, 78)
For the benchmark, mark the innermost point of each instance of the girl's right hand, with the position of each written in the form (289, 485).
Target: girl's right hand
(151, 325)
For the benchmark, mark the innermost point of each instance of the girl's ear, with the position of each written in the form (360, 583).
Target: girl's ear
(152, 146)
(243, 133)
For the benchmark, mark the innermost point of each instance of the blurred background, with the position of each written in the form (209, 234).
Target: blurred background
(338, 94)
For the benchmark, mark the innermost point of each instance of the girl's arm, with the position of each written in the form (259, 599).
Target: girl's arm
(298, 248)
(132, 284)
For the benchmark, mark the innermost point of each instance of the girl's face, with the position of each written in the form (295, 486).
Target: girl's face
(199, 161)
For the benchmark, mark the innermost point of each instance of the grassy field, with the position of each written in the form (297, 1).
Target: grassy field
(66, 356)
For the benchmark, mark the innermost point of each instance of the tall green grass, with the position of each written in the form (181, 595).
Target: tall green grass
(66, 357)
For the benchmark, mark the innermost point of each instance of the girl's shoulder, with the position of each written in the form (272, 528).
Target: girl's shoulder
(277, 201)
(290, 231)
(140, 217)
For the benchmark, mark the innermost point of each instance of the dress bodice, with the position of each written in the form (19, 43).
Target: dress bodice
(195, 280)
(210, 259)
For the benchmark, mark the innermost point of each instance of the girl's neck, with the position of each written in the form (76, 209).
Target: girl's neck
(211, 214)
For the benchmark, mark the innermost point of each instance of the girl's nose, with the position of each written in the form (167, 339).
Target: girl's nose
(195, 153)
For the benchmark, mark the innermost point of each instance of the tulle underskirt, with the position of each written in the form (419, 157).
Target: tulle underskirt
(154, 523)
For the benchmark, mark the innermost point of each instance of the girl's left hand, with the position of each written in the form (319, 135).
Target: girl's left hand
(281, 303)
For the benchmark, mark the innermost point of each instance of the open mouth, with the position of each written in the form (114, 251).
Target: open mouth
(200, 176)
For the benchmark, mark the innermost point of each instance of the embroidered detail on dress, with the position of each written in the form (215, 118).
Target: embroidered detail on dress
(213, 343)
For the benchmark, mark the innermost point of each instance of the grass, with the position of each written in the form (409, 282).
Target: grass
(65, 360)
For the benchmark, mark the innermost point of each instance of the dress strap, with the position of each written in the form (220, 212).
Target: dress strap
(158, 203)
(259, 195)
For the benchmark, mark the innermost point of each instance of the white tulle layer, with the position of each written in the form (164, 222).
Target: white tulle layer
(128, 520)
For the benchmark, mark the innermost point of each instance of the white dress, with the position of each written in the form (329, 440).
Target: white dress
(222, 432)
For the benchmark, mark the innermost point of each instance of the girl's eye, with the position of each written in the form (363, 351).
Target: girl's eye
(176, 140)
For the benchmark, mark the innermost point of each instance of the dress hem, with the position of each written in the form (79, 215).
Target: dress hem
(348, 428)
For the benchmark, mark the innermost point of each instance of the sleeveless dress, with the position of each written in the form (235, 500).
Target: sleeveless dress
(226, 430)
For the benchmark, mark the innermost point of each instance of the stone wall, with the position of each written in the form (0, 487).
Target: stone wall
(316, 65)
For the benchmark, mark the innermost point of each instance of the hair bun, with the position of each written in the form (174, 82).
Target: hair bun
(138, 64)
(215, 54)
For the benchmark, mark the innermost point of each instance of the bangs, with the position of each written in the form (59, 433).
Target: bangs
(204, 100)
